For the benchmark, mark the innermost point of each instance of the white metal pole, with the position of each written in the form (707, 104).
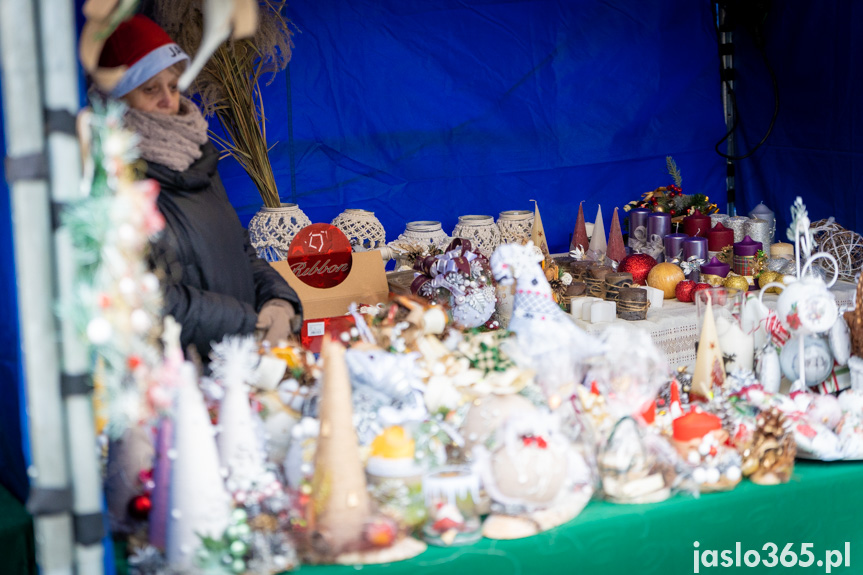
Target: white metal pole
(60, 95)
(31, 215)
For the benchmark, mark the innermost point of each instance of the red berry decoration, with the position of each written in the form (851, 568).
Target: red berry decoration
(139, 507)
(639, 265)
(685, 291)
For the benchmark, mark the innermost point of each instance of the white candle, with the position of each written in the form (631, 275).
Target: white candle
(654, 296)
(734, 342)
(601, 311)
(579, 307)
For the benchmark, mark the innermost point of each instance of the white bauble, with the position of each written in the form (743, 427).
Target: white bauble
(818, 361)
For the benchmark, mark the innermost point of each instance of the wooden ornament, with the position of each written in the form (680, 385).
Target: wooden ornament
(665, 276)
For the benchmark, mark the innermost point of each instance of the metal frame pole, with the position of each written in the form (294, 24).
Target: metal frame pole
(60, 94)
(50, 497)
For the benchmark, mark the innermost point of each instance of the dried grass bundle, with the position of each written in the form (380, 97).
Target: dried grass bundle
(228, 87)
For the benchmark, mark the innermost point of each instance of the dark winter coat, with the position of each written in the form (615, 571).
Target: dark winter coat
(215, 283)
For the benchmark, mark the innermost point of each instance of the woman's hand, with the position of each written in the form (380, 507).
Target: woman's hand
(276, 321)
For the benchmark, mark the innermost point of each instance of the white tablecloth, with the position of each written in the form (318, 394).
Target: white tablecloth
(674, 330)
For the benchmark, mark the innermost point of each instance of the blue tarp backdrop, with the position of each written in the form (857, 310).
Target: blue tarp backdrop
(431, 109)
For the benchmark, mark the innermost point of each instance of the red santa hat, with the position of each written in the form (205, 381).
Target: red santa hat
(142, 46)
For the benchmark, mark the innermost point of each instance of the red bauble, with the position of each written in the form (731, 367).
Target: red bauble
(685, 290)
(701, 285)
(139, 507)
(639, 265)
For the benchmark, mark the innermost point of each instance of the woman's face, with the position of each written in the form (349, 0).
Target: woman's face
(158, 95)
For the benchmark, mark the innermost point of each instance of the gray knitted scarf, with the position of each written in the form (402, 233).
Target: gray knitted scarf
(172, 141)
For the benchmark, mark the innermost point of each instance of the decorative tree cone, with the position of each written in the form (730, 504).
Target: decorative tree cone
(685, 291)
(614, 282)
(639, 265)
(341, 503)
(768, 456)
(595, 280)
(598, 245)
(632, 304)
(616, 250)
(665, 276)
(579, 234)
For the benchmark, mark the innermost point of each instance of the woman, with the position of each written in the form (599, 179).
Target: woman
(215, 283)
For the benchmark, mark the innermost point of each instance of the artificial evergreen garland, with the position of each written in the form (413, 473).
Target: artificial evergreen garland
(671, 199)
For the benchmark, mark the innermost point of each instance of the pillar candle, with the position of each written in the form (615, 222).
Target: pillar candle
(696, 224)
(716, 268)
(719, 237)
(658, 224)
(614, 282)
(718, 218)
(602, 311)
(579, 307)
(762, 212)
(745, 254)
(632, 304)
(637, 219)
(655, 296)
(695, 246)
(736, 223)
(782, 250)
(674, 245)
(735, 343)
(759, 230)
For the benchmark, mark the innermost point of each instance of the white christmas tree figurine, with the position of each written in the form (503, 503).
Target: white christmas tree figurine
(233, 365)
(598, 246)
(200, 505)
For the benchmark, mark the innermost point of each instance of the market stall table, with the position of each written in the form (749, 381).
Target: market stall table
(17, 543)
(674, 330)
(822, 505)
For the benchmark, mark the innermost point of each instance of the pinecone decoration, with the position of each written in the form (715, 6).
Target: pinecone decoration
(768, 458)
(723, 408)
(855, 322)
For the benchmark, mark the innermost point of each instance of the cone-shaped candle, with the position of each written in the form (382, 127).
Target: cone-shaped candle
(597, 248)
(615, 249)
(537, 233)
(340, 499)
(200, 505)
(709, 366)
(579, 234)
(674, 407)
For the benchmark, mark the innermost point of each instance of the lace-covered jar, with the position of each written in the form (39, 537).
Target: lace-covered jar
(483, 234)
(419, 239)
(363, 229)
(515, 226)
(272, 229)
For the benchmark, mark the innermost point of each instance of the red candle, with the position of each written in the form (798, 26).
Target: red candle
(719, 237)
(696, 224)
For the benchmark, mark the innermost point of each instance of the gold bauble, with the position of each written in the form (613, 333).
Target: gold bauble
(737, 282)
(767, 277)
(665, 276)
(658, 209)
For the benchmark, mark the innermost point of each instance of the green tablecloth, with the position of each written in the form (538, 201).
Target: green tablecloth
(822, 505)
(17, 544)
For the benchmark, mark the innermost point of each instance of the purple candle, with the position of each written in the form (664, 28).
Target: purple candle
(658, 223)
(716, 268)
(745, 255)
(674, 245)
(637, 219)
(160, 495)
(696, 247)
